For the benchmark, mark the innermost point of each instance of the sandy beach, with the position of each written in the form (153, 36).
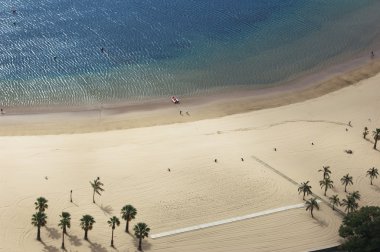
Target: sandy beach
(50, 154)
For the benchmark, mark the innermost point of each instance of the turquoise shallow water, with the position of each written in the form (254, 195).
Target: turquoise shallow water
(50, 50)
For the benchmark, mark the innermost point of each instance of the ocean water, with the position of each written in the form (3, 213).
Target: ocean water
(50, 50)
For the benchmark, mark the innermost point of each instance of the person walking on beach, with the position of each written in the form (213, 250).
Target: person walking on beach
(372, 54)
(71, 195)
(180, 112)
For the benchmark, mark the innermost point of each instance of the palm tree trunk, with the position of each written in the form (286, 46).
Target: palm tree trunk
(371, 180)
(345, 188)
(63, 241)
(112, 239)
(38, 233)
(140, 248)
(85, 234)
(127, 227)
(325, 190)
(93, 197)
(303, 196)
(311, 211)
(374, 146)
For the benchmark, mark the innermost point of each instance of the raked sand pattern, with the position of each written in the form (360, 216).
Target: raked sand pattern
(133, 164)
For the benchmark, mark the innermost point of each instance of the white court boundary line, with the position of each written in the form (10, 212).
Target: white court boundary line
(226, 221)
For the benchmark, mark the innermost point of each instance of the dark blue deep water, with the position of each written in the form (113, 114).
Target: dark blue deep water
(50, 50)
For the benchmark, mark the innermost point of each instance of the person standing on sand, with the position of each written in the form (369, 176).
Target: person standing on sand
(71, 195)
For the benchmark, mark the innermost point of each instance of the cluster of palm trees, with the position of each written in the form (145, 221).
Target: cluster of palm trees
(326, 182)
(39, 218)
(311, 203)
(350, 203)
(375, 133)
(128, 213)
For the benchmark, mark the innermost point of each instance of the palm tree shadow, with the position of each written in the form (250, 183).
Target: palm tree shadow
(53, 233)
(320, 222)
(74, 204)
(97, 247)
(368, 140)
(130, 234)
(107, 210)
(376, 188)
(49, 248)
(74, 240)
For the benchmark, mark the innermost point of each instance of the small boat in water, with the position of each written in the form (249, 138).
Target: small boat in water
(175, 100)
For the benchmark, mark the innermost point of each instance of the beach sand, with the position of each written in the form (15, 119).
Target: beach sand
(133, 163)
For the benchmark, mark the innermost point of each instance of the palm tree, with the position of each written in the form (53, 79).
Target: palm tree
(372, 173)
(326, 183)
(128, 212)
(376, 136)
(113, 222)
(365, 132)
(97, 186)
(356, 195)
(39, 220)
(311, 204)
(41, 204)
(350, 204)
(86, 224)
(141, 231)
(326, 171)
(64, 223)
(304, 188)
(334, 200)
(346, 180)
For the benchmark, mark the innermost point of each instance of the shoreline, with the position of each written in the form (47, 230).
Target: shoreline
(152, 112)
